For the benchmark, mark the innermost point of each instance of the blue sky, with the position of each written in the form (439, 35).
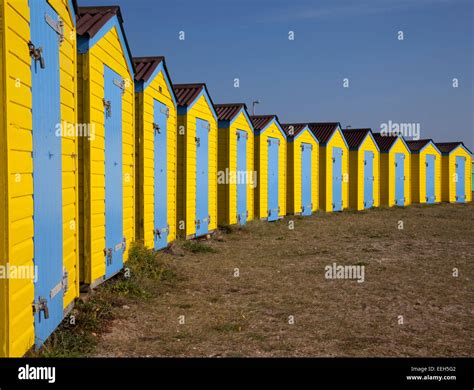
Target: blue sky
(407, 81)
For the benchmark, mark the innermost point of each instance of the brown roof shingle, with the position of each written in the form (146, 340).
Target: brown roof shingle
(448, 147)
(384, 142)
(186, 93)
(296, 127)
(227, 112)
(323, 130)
(417, 145)
(145, 66)
(91, 19)
(260, 121)
(354, 137)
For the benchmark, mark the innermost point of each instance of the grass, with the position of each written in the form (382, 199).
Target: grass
(282, 273)
(197, 247)
(145, 272)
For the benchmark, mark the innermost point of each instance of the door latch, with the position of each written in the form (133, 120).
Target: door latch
(36, 54)
(108, 108)
(41, 306)
(108, 255)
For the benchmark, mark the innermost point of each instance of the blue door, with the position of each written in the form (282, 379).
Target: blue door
(47, 171)
(430, 178)
(160, 231)
(399, 179)
(202, 177)
(114, 241)
(306, 184)
(336, 179)
(460, 179)
(272, 169)
(368, 179)
(241, 174)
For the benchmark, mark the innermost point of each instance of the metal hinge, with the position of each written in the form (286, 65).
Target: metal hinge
(165, 111)
(108, 108)
(56, 26)
(198, 140)
(156, 128)
(120, 84)
(41, 306)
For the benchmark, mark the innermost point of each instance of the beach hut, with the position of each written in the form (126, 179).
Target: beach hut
(156, 142)
(107, 159)
(197, 161)
(270, 164)
(425, 171)
(364, 165)
(39, 272)
(302, 169)
(456, 163)
(333, 166)
(395, 188)
(235, 156)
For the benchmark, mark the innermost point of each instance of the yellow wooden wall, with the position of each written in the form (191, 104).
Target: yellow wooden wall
(448, 176)
(107, 51)
(325, 172)
(294, 173)
(356, 174)
(186, 194)
(17, 321)
(387, 174)
(145, 194)
(227, 158)
(418, 174)
(261, 159)
(223, 156)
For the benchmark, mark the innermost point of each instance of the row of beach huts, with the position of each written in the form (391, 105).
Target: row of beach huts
(99, 149)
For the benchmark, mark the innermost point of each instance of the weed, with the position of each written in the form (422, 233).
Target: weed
(198, 247)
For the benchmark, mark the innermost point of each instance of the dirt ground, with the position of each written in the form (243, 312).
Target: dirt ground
(281, 304)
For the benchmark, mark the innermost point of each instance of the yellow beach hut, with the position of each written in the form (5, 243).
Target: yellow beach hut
(302, 169)
(456, 175)
(270, 164)
(364, 168)
(333, 166)
(107, 157)
(197, 161)
(38, 171)
(395, 188)
(156, 119)
(425, 171)
(235, 155)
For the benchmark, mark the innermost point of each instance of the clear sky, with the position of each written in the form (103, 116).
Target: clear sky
(402, 81)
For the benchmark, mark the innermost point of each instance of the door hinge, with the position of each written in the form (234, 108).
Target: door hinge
(36, 54)
(156, 128)
(165, 111)
(120, 84)
(198, 141)
(41, 306)
(56, 26)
